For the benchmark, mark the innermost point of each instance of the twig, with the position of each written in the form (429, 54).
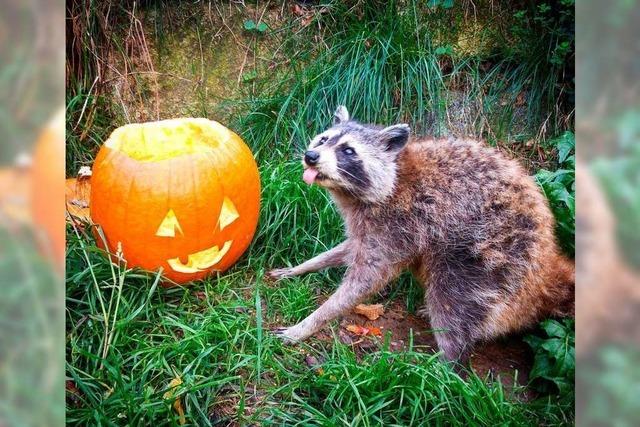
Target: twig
(84, 106)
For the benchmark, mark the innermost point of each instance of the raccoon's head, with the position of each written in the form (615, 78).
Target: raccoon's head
(359, 160)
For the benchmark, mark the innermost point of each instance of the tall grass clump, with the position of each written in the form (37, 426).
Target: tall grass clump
(538, 58)
(382, 70)
(391, 61)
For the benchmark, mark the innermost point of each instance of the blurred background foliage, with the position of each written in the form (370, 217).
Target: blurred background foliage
(32, 303)
(608, 68)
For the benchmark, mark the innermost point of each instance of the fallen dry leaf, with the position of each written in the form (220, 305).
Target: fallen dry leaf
(298, 10)
(370, 311)
(177, 403)
(73, 394)
(363, 331)
(306, 21)
(314, 363)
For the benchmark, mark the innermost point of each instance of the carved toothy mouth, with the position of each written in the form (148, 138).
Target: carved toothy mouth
(201, 260)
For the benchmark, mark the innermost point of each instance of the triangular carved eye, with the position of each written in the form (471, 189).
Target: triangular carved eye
(228, 213)
(169, 225)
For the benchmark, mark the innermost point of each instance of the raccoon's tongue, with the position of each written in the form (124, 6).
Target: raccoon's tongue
(309, 175)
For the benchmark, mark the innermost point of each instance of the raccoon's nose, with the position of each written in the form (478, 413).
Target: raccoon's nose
(311, 157)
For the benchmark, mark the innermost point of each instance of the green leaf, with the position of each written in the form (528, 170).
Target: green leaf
(249, 76)
(249, 25)
(262, 27)
(443, 50)
(565, 143)
(554, 329)
(534, 341)
(541, 366)
(555, 346)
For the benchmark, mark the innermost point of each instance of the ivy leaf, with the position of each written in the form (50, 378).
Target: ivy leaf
(554, 329)
(249, 76)
(541, 366)
(565, 143)
(553, 345)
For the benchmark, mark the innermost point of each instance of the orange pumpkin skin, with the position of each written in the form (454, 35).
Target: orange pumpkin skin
(167, 180)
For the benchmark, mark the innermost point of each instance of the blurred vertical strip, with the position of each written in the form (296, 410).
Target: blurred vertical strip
(608, 212)
(31, 212)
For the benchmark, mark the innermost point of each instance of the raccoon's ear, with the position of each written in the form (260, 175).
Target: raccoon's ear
(341, 115)
(395, 137)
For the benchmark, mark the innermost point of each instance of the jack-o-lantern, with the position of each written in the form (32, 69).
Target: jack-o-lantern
(180, 194)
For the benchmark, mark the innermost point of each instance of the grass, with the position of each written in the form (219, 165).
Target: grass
(214, 336)
(128, 337)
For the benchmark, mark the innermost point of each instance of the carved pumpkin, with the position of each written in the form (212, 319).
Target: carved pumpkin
(180, 194)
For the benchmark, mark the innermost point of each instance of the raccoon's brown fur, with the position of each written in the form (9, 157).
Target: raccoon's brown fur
(470, 223)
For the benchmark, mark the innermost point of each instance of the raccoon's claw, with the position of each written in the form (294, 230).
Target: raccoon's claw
(286, 335)
(279, 273)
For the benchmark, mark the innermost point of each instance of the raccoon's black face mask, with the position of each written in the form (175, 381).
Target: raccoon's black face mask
(358, 159)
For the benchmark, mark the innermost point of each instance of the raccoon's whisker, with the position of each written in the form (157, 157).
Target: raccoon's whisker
(350, 174)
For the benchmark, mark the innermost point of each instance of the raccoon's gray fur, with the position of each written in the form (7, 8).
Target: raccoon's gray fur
(469, 222)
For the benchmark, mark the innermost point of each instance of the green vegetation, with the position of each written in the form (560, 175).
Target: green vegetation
(560, 188)
(437, 67)
(555, 357)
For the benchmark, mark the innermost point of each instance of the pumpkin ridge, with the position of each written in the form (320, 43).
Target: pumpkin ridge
(127, 207)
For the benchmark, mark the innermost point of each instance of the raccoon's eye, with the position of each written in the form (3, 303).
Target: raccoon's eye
(348, 151)
(322, 141)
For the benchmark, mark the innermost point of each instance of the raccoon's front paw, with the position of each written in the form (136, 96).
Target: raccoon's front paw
(280, 273)
(288, 335)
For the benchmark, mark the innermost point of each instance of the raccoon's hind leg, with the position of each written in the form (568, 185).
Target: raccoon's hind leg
(457, 308)
(331, 258)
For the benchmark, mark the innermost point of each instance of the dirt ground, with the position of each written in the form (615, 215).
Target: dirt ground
(508, 359)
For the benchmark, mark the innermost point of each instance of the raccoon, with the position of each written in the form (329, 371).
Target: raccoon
(469, 223)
